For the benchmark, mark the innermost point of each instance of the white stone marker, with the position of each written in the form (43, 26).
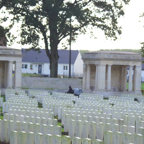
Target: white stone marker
(24, 126)
(48, 139)
(59, 112)
(86, 141)
(5, 125)
(100, 131)
(44, 128)
(38, 120)
(123, 129)
(72, 129)
(131, 129)
(92, 130)
(78, 128)
(37, 128)
(117, 138)
(30, 127)
(108, 137)
(43, 121)
(138, 139)
(57, 130)
(56, 139)
(22, 137)
(11, 117)
(30, 138)
(107, 127)
(50, 129)
(10, 128)
(65, 140)
(115, 128)
(39, 138)
(84, 133)
(14, 137)
(1, 123)
(127, 138)
(97, 141)
(76, 140)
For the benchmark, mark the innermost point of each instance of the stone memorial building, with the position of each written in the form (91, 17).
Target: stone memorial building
(10, 58)
(106, 72)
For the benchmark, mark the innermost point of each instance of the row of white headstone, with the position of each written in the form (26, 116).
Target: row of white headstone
(31, 138)
(9, 105)
(70, 113)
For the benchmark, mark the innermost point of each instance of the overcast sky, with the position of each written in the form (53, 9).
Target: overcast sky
(132, 32)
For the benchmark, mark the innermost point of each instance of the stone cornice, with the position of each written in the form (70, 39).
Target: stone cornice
(113, 56)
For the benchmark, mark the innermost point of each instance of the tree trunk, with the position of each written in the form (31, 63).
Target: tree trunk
(54, 61)
(53, 44)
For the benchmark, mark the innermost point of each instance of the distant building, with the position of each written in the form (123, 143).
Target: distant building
(34, 62)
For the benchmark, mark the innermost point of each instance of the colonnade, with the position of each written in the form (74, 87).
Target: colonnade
(9, 82)
(103, 77)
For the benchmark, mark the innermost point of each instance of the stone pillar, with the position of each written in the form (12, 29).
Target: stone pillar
(96, 78)
(125, 79)
(5, 74)
(130, 78)
(88, 77)
(134, 79)
(137, 79)
(101, 77)
(9, 75)
(84, 76)
(18, 65)
(109, 78)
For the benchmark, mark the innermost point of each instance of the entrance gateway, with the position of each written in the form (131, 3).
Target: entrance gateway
(105, 72)
(8, 58)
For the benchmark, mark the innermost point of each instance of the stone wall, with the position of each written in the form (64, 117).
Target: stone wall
(50, 83)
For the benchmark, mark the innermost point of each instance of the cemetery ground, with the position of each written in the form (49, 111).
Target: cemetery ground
(115, 118)
(39, 106)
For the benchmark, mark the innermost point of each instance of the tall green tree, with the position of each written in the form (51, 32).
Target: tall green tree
(50, 20)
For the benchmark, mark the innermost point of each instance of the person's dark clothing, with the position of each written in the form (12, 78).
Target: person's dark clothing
(70, 90)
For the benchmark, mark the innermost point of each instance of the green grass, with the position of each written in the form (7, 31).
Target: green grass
(30, 75)
(142, 86)
(59, 124)
(49, 89)
(3, 98)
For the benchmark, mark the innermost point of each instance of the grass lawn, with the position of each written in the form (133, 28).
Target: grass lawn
(142, 86)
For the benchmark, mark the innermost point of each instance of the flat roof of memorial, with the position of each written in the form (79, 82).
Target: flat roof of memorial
(111, 52)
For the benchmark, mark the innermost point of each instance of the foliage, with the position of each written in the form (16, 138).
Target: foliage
(142, 49)
(49, 21)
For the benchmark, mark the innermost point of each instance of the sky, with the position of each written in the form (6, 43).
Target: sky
(132, 32)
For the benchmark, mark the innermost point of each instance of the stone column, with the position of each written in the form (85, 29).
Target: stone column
(130, 78)
(84, 76)
(134, 79)
(88, 77)
(101, 77)
(5, 74)
(9, 75)
(137, 79)
(109, 78)
(125, 79)
(96, 78)
(18, 65)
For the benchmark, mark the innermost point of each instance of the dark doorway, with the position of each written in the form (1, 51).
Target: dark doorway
(39, 69)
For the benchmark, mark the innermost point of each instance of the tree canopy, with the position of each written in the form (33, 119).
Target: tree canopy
(49, 20)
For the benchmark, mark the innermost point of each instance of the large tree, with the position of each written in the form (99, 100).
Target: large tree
(49, 20)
